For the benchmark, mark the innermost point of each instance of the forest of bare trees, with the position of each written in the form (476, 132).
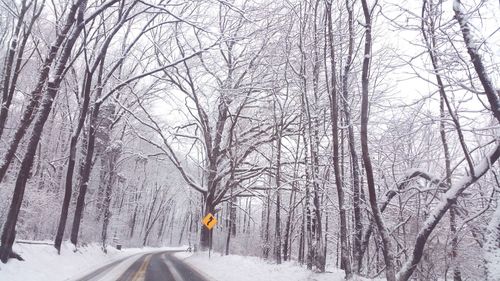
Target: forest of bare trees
(362, 134)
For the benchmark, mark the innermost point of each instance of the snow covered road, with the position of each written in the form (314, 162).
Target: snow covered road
(42, 263)
(158, 266)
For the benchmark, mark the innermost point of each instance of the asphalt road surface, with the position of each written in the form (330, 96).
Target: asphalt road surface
(162, 266)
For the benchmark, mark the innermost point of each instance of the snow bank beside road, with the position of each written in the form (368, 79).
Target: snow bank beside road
(42, 263)
(233, 267)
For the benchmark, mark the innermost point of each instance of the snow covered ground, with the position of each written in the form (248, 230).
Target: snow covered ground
(233, 267)
(42, 263)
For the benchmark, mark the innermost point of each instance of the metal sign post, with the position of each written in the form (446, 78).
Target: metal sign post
(209, 221)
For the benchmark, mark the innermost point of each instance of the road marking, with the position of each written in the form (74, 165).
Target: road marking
(177, 276)
(141, 273)
(113, 272)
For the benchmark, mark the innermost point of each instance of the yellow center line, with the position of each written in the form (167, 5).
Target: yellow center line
(141, 272)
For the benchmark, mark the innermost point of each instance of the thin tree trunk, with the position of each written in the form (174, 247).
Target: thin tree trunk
(229, 224)
(358, 218)
(266, 247)
(133, 221)
(300, 256)
(68, 187)
(291, 202)
(431, 45)
(365, 80)
(277, 231)
(85, 176)
(334, 112)
(171, 227)
(162, 225)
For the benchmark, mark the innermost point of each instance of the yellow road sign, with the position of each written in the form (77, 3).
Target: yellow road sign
(209, 221)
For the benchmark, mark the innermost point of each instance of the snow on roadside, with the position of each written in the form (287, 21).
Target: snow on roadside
(233, 267)
(42, 263)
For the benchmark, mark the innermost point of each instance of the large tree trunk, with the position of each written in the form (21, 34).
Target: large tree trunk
(205, 233)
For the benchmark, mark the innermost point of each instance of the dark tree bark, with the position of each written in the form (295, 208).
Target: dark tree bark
(345, 263)
(88, 161)
(287, 246)
(365, 80)
(312, 110)
(103, 141)
(472, 48)
(85, 175)
(37, 92)
(153, 218)
(205, 233)
(229, 224)
(440, 210)
(356, 192)
(277, 236)
(428, 31)
(68, 187)
(300, 256)
(475, 172)
(10, 75)
(266, 215)
(9, 232)
(113, 154)
(214, 153)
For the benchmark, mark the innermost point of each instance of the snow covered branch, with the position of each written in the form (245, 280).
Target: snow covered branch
(440, 210)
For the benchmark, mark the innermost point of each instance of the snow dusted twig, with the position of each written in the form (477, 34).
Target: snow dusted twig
(151, 72)
(167, 151)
